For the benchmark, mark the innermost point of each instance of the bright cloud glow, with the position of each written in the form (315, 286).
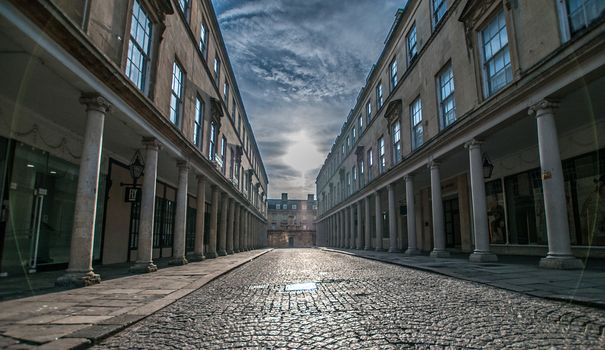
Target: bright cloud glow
(299, 67)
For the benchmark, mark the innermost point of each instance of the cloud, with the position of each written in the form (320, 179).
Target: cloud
(299, 67)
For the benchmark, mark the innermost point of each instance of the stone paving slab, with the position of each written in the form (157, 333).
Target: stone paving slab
(77, 318)
(585, 287)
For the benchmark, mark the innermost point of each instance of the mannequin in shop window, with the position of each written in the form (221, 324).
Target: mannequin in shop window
(496, 222)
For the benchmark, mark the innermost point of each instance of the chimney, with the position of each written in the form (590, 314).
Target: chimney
(311, 197)
(284, 196)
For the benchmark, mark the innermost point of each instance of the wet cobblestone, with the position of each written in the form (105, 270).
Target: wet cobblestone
(358, 304)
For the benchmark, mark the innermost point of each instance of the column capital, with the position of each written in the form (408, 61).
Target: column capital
(543, 106)
(183, 164)
(432, 164)
(474, 143)
(201, 179)
(151, 143)
(94, 101)
(409, 177)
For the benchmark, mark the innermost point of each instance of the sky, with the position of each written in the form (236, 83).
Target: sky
(299, 66)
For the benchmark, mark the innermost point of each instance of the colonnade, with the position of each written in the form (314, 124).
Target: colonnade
(240, 228)
(337, 228)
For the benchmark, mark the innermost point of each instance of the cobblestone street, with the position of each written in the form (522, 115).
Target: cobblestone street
(357, 303)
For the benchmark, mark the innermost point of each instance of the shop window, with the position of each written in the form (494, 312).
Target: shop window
(495, 211)
(525, 208)
(190, 231)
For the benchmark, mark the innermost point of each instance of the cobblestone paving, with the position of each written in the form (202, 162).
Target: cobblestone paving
(358, 304)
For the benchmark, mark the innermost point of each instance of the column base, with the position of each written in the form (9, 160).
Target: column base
(566, 262)
(222, 253)
(440, 254)
(78, 279)
(412, 252)
(143, 267)
(181, 260)
(211, 255)
(196, 257)
(480, 257)
(394, 250)
(235, 251)
(229, 252)
(367, 248)
(379, 249)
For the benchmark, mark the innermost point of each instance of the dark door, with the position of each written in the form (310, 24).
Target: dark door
(290, 242)
(452, 222)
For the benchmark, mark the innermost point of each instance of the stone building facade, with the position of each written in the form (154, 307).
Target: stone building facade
(123, 138)
(479, 130)
(291, 222)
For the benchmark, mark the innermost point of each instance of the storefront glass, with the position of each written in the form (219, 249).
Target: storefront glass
(495, 211)
(525, 208)
(516, 212)
(40, 203)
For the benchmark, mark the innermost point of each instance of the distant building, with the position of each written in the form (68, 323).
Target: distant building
(291, 222)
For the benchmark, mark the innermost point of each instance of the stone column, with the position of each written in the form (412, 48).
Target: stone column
(482, 252)
(352, 229)
(222, 237)
(211, 253)
(411, 216)
(341, 230)
(437, 208)
(555, 205)
(144, 261)
(244, 241)
(180, 218)
(242, 237)
(378, 222)
(230, 226)
(79, 271)
(236, 228)
(200, 217)
(367, 223)
(392, 219)
(358, 242)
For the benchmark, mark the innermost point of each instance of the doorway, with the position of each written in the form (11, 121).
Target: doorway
(290, 242)
(451, 215)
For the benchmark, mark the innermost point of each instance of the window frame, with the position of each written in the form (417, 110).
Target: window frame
(412, 50)
(393, 79)
(203, 44)
(441, 100)
(396, 140)
(179, 100)
(198, 121)
(487, 89)
(434, 12)
(145, 70)
(212, 140)
(416, 143)
(381, 155)
(217, 70)
(369, 111)
(379, 95)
